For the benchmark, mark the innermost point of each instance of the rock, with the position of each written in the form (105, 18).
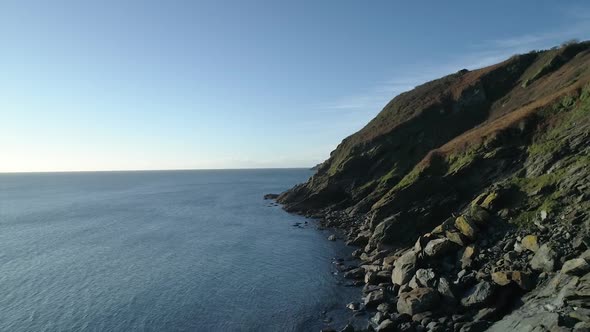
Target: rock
(543, 214)
(360, 240)
(444, 288)
(378, 318)
(353, 306)
(530, 242)
(466, 227)
(581, 327)
(544, 259)
(384, 307)
(467, 257)
(479, 215)
(271, 196)
(404, 268)
(490, 202)
(383, 231)
(371, 278)
(389, 261)
(478, 295)
(375, 298)
(522, 279)
(356, 273)
(418, 300)
(386, 326)
(422, 241)
(423, 278)
(456, 237)
(576, 266)
(438, 247)
(332, 237)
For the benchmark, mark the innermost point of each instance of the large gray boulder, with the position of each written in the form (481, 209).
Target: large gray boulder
(544, 259)
(478, 295)
(404, 268)
(417, 301)
(576, 266)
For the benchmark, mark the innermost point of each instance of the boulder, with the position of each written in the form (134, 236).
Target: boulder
(383, 231)
(386, 326)
(375, 298)
(418, 300)
(478, 295)
(332, 237)
(360, 240)
(456, 237)
(479, 215)
(530, 242)
(544, 259)
(423, 278)
(438, 247)
(522, 279)
(467, 257)
(404, 268)
(444, 288)
(356, 273)
(576, 266)
(466, 227)
(490, 202)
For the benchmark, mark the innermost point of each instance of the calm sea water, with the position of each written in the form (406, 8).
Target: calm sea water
(161, 251)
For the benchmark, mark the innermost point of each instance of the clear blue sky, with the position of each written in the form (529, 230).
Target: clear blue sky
(102, 85)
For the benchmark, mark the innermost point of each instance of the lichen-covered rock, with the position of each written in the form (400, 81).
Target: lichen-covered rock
(520, 278)
(439, 247)
(417, 301)
(530, 242)
(468, 255)
(490, 201)
(457, 238)
(466, 227)
(404, 268)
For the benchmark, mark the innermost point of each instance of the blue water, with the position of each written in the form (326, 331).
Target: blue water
(161, 251)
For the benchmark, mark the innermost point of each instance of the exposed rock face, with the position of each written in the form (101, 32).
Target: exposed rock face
(473, 189)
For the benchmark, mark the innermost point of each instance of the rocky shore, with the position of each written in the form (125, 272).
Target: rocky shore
(469, 201)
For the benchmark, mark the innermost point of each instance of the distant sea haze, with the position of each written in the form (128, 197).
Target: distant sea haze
(161, 251)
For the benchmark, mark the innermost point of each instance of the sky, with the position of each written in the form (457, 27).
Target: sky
(128, 85)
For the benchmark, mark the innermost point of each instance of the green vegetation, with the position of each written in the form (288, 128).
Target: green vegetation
(457, 162)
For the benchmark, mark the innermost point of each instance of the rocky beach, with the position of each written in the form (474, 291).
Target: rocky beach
(468, 201)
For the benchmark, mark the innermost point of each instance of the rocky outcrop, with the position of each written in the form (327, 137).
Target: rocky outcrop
(471, 192)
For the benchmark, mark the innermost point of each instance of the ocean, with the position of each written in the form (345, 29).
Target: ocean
(163, 251)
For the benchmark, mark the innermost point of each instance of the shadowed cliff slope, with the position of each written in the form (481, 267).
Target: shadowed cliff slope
(434, 148)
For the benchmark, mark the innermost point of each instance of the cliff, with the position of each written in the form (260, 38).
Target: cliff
(474, 161)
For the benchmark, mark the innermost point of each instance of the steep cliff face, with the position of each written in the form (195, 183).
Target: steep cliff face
(431, 150)
(469, 198)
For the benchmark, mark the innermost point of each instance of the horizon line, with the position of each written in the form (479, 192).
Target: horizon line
(154, 170)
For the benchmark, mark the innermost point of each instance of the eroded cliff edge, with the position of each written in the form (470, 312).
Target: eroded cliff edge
(473, 191)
